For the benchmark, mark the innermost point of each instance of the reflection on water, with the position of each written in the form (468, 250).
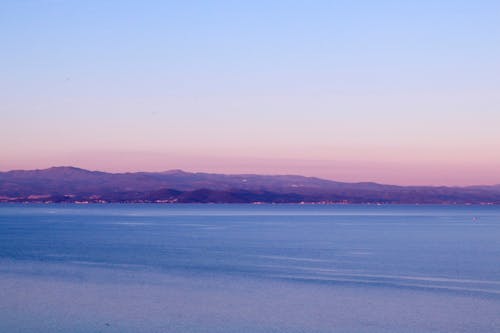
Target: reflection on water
(244, 268)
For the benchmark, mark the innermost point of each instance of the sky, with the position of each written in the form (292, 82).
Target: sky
(400, 92)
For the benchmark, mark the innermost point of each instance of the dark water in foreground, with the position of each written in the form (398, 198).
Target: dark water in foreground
(249, 268)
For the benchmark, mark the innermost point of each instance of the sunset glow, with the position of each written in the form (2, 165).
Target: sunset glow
(394, 92)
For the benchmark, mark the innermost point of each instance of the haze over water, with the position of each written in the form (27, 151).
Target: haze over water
(249, 268)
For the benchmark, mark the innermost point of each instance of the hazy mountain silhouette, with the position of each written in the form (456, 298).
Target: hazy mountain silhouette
(70, 184)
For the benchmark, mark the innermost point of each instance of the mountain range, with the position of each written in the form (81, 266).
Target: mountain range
(70, 184)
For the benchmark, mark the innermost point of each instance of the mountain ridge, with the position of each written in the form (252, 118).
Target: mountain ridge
(73, 184)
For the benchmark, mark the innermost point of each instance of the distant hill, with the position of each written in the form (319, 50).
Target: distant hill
(70, 184)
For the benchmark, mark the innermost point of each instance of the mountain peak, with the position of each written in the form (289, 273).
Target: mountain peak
(64, 168)
(67, 170)
(174, 172)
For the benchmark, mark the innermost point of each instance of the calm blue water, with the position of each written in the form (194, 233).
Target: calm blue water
(249, 268)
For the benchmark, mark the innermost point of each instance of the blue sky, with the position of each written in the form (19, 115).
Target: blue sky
(391, 91)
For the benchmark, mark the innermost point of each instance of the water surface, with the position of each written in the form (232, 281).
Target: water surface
(249, 268)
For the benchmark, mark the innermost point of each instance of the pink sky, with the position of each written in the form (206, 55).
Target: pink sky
(389, 172)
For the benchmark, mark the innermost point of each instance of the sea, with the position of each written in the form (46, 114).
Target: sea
(249, 268)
